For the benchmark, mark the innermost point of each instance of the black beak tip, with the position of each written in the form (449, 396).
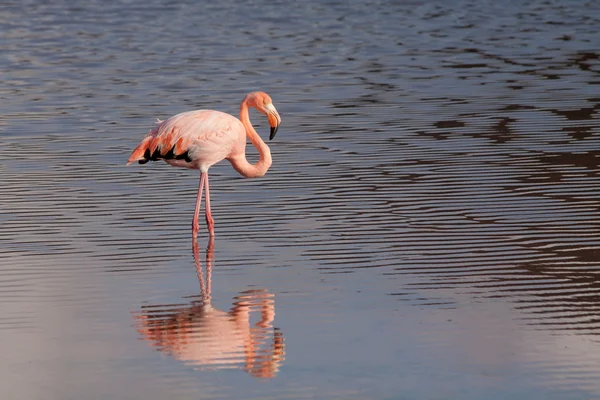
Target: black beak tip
(273, 132)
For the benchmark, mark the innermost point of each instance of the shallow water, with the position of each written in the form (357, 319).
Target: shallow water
(429, 228)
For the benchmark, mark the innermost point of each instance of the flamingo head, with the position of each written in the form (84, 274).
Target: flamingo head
(263, 103)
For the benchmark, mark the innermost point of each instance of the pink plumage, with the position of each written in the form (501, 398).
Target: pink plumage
(199, 139)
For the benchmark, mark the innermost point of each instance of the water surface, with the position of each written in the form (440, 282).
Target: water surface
(429, 228)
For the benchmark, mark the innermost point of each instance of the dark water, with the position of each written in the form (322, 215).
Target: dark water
(429, 228)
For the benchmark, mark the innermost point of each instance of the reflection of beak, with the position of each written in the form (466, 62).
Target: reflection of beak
(274, 119)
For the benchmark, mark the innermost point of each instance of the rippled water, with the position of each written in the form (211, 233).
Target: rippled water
(429, 228)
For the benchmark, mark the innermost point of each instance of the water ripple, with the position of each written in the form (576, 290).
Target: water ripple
(438, 160)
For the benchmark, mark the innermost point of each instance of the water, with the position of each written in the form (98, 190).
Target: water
(428, 230)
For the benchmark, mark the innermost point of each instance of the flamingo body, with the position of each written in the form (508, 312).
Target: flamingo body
(193, 139)
(201, 138)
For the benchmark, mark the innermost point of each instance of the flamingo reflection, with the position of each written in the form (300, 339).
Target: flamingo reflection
(207, 338)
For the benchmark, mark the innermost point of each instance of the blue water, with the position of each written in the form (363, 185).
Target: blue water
(428, 230)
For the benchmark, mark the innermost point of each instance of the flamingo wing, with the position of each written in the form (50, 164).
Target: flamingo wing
(198, 138)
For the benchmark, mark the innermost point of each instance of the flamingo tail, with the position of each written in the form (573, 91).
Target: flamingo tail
(155, 147)
(139, 153)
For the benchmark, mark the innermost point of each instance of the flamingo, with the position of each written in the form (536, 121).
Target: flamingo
(201, 138)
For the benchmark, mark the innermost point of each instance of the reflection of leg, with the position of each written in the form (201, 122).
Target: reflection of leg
(196, 251)
(210, 222)
(195, 224)
(204, 285)
(210, 255)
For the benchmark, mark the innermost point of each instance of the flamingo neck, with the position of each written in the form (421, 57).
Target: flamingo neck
(241, 164)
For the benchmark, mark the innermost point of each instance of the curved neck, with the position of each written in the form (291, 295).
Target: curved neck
(240, 163)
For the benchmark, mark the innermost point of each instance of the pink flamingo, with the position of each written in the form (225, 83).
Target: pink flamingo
(201, 138)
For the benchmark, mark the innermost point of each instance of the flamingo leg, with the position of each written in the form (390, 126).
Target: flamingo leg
(195, 224)
(210, 222)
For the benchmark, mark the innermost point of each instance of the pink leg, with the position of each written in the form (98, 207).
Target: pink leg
(195, 224)
(210, 222)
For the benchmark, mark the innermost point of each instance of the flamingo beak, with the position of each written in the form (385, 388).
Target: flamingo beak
(274, 119)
